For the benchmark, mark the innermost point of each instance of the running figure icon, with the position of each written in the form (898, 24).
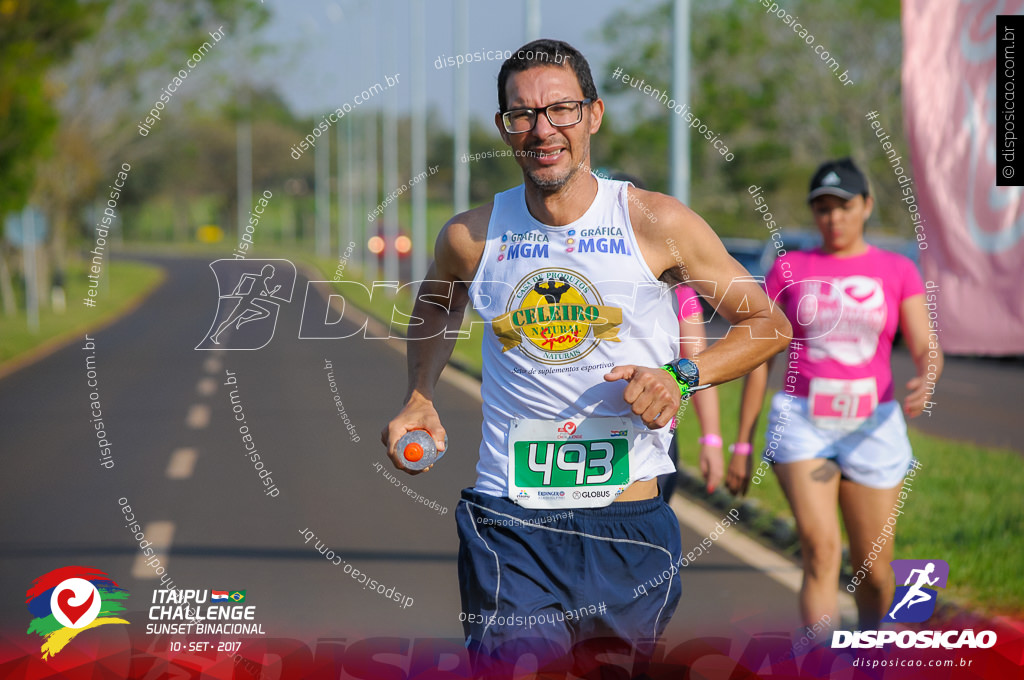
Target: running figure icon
(915, 595)
(250, 306)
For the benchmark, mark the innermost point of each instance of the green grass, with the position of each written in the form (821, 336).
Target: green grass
(127, 281)
(965, 508)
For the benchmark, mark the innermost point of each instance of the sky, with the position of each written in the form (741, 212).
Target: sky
(330, 50)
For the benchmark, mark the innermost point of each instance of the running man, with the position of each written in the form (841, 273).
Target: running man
(250, 305)
(915, 594)
(579, 377)
(835, 433)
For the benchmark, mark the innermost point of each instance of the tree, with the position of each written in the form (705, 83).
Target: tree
(35, 35)
(114, 79)
(761, 87)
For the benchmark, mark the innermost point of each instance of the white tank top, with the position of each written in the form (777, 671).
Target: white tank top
(544, 285)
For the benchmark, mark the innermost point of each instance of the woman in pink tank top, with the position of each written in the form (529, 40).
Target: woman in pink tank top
(836, 434)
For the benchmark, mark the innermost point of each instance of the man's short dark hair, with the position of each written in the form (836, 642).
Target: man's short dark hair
(546, 52)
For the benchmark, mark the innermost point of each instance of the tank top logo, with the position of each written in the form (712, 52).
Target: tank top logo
(555, 316)
(603, 240)
(531, 244)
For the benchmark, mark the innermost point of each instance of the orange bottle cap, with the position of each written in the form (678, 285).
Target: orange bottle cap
(413, 452)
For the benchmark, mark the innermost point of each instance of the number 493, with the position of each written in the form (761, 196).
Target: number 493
(593, 466)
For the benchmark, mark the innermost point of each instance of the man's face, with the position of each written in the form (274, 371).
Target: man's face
(550, 156)
(840, 221)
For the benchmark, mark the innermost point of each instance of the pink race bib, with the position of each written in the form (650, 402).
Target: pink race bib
(842, 404)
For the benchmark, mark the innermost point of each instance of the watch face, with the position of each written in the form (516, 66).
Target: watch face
(687, 370)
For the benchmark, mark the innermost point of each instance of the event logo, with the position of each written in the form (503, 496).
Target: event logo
(914, 601)
(247, 316)
(555, 316)
(69, 600)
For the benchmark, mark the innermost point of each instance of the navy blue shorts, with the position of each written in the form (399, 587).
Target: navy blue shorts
(562, 577)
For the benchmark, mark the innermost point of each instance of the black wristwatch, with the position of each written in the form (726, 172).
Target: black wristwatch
(686, 374)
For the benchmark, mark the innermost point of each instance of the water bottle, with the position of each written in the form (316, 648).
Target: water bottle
(418, 450)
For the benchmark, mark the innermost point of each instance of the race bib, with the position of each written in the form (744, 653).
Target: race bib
(576, 463)
(842, 404)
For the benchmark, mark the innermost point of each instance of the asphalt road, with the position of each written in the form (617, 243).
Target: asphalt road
(180, 463)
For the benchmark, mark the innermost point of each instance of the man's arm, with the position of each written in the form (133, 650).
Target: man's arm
(698, 257)
(675, 240)
(456, 256)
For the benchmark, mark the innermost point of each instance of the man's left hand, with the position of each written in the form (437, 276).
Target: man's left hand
(652, 392)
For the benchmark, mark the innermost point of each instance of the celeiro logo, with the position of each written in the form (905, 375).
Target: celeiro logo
(914, 602)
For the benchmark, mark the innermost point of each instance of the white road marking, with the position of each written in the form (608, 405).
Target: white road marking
(206, 386)
(160, 535)
(182, 463)
(747, 550)
(198, 416)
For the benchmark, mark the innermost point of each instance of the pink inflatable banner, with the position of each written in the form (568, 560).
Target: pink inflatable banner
(972, 245)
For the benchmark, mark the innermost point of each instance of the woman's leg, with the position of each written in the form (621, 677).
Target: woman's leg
(865, 511)
(812, 488)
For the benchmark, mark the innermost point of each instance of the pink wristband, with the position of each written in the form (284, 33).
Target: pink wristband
(741, 448)
(711, 440)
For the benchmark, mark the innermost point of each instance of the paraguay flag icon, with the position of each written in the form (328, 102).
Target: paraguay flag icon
(69, 600)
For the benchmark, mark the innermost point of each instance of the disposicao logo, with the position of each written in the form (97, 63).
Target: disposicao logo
(251, 293)
(69, 600)
(914, 602)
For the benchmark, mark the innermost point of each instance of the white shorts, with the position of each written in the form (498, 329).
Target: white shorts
(876, 454)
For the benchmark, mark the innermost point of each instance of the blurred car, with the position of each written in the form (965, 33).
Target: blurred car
(749, 252)
(378, 244)
(897, 244)
(757, 255)
(791, 240)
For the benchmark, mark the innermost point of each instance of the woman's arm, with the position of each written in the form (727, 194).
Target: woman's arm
(741, 462)
(925, 351)
(693, 341)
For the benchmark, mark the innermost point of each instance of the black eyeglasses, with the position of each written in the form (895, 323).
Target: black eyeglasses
(560, 114)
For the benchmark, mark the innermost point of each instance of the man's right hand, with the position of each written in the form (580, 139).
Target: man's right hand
(417, 414)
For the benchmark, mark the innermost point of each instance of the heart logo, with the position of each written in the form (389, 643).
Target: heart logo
(74, 613)
(852, 292)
